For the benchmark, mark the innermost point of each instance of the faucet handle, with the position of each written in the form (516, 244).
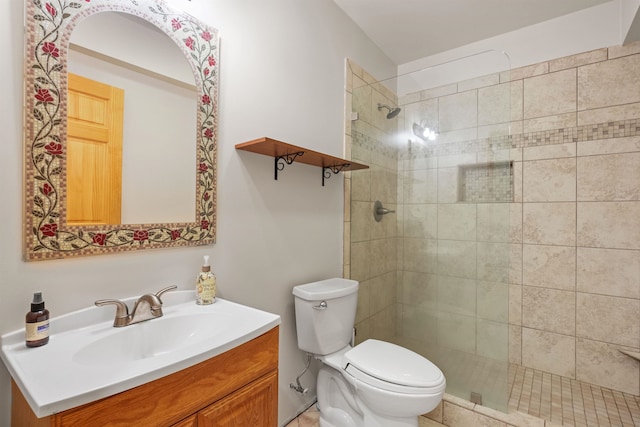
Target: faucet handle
(167, 289)
(122, 310)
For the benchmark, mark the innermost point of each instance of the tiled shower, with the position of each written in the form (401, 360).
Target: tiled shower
(516, 238)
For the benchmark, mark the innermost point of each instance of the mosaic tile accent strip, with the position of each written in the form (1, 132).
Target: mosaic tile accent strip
(486, 182)
(608, 130)
(373, 144)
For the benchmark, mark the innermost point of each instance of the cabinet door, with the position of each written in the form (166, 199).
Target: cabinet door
(254, 405)
(192, 421)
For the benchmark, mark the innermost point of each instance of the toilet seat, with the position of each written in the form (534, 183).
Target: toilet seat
(393, 368)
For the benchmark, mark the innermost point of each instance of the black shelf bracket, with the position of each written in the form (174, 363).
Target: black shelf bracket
(281, 160)
(336, 169)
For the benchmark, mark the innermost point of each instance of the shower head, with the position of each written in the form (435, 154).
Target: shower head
(392, 111)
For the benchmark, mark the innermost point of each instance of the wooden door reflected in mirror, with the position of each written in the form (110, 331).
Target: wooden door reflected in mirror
(95, 114)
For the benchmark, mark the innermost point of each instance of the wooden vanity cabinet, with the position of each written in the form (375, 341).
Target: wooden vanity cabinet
(237, 388)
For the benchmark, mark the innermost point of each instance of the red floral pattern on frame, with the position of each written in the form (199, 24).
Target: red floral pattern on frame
(49, 23)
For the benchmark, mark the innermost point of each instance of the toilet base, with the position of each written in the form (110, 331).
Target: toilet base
(339, 407)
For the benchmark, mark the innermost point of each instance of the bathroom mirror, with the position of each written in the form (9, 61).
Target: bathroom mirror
(48, 234)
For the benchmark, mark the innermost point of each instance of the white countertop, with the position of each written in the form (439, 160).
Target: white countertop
(72, 369)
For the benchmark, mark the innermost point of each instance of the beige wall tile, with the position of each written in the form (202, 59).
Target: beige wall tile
(608, 319)
(479, 82)
(457, 332)
(549, 151)
(420, 163)
(608, 83)
(421, 221)
(515, 263)
(549, 352)
(549, 180)
(491, 131)
(549, 266)
(419, 289)
(550, 94)
(457, 295)
(609, 272)
(457, 221)
(601, 363)
(529, 71)
(515, 344)
(493, 301)
(609, 224)
(383, 257)
(517, 100)
(383, 292)
(549, 310)
(421, 186)
(457, 160)
(457, 258)
(360, 260)
(493, 222)
(493, 340)
(552, 122)
(455, 416)
(609, 177)
(493, 261)
(494, 104)
(578, 60)
(515, 222)
(624, 50)
(420, 255)
(361, 221)
(458, 111)
(420, 324)
(383, 324)
(364, 301)
(549, 223)
(466, 134)
(439, 91)
(361, 185)
(447, 184)
(517, 181)
(419, 112)
(609, 114)
(609, 146)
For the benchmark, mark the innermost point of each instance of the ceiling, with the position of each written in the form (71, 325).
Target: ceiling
(407, 30)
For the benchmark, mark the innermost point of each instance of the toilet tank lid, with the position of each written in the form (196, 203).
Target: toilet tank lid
(326, 289)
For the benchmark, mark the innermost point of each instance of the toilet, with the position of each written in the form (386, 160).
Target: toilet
(374, 384)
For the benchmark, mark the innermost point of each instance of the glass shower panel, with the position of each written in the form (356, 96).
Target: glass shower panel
(453, 196)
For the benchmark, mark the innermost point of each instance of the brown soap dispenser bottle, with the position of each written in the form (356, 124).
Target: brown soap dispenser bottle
(37, 323)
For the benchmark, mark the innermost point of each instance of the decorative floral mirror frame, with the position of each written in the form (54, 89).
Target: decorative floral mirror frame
(49, 24)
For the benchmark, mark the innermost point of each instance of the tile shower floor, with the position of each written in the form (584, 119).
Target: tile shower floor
(570, 402)
(562, 401)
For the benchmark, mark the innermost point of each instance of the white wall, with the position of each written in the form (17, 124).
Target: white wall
(282, 76)
(582, 31)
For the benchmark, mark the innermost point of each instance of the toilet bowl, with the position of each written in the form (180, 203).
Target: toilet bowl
(374, 384)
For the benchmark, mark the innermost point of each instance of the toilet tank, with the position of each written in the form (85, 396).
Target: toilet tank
(325, 313)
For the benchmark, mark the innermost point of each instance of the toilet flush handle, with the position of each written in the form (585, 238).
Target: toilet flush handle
(321, 306)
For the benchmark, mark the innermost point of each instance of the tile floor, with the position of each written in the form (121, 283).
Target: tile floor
(309, 418)
(559, 400)
(570, 402)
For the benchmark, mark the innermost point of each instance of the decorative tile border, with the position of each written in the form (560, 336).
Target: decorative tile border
(46, 234)
(591, 132)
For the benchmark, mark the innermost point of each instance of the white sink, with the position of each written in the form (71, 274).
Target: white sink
(88, 359)
(152, 338)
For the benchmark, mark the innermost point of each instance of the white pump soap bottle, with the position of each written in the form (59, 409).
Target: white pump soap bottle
(206, 285)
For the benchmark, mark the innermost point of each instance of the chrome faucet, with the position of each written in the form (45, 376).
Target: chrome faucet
(148, 306)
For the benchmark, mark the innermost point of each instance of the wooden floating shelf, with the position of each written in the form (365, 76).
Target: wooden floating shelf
(284, 153)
